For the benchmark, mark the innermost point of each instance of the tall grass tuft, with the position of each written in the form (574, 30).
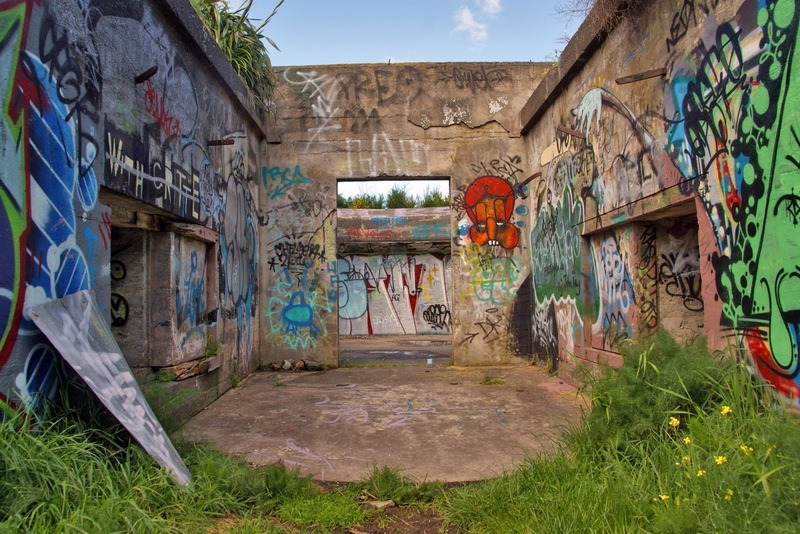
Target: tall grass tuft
(390, 484)
(243, 43)
(675, 442)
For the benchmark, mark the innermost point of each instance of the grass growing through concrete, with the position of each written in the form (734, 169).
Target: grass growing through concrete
(489, 380)
(675, 442)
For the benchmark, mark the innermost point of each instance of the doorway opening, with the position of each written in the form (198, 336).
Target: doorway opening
(394, 275)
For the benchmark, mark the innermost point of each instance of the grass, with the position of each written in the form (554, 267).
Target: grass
(489, 380)
(674, 442)
(387, 483)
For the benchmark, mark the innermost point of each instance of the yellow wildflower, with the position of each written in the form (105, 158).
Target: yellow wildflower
(728, 495)
(701, 472)
(747, 450)
(663, 497)
(686, 458)
(674, 422)
(720, 459)
(726, 410)
(687, 440)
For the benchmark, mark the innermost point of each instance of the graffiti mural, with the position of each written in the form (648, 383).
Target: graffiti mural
(489, 203)
(735, 136)
(69, 126)
(558, 221)
(190, 295)
(300, 261)
(238, 221)
(613, 258)
(54, 231)
(394, 294)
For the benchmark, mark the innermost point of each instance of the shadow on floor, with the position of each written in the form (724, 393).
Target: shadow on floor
(358, 351)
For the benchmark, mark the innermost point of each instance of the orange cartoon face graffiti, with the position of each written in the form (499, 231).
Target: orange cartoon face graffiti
(489, 202)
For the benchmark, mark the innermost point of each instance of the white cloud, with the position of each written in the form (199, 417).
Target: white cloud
(465, 22)
(490, 7)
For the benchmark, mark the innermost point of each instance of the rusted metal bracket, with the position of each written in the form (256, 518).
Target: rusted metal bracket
(146, 75)
(646, 75)
(221, 142)
(570, 131)
(518, 188)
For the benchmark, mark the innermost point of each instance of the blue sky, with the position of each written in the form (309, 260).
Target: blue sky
(324, 32)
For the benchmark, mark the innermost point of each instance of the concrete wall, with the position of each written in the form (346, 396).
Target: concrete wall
(111, 185)
(456, 121)
(670, 201)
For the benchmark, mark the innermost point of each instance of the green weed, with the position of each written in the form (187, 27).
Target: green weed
(62, 476)
(489, 380)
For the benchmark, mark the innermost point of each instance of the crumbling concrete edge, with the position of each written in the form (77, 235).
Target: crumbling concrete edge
(591, 34)
(192, 27)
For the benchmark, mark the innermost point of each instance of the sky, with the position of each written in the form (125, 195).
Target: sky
(326, 32)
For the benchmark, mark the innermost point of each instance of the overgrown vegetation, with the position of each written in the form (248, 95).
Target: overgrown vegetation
(675, 442)
(397, 197)
(243, 44)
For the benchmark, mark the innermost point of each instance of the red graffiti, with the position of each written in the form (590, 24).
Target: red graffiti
(156, 107)
(105, 229)
(489, 203)
(762, 356)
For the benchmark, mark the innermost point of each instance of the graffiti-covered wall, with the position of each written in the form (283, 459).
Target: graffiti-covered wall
(667, 197)
(394, 294)
(110, 181)
(453, 121)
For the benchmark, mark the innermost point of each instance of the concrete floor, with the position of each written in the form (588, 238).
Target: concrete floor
(433, 422)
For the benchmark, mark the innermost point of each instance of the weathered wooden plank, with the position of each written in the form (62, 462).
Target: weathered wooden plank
(76, 328)
(185, 370)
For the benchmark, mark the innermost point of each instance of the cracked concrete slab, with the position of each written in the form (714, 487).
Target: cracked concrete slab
(435, 423)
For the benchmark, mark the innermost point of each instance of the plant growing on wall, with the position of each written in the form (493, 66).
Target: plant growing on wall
(243, 43)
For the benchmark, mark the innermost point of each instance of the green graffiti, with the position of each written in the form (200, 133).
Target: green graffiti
(13, 182)
(556, 249)
(738, 132)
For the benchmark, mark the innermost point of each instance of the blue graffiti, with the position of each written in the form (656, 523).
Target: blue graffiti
(352, 292)
(298, 314)
(190, 299)
(57, 266)
(278, 181)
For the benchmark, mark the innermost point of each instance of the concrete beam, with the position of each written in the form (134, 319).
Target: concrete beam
(594, 30)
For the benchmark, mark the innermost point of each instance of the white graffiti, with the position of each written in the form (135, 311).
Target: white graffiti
(383, 155)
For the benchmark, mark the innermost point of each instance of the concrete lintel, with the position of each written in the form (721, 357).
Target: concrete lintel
(182, 12)
(393, 225)
(601, 20)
